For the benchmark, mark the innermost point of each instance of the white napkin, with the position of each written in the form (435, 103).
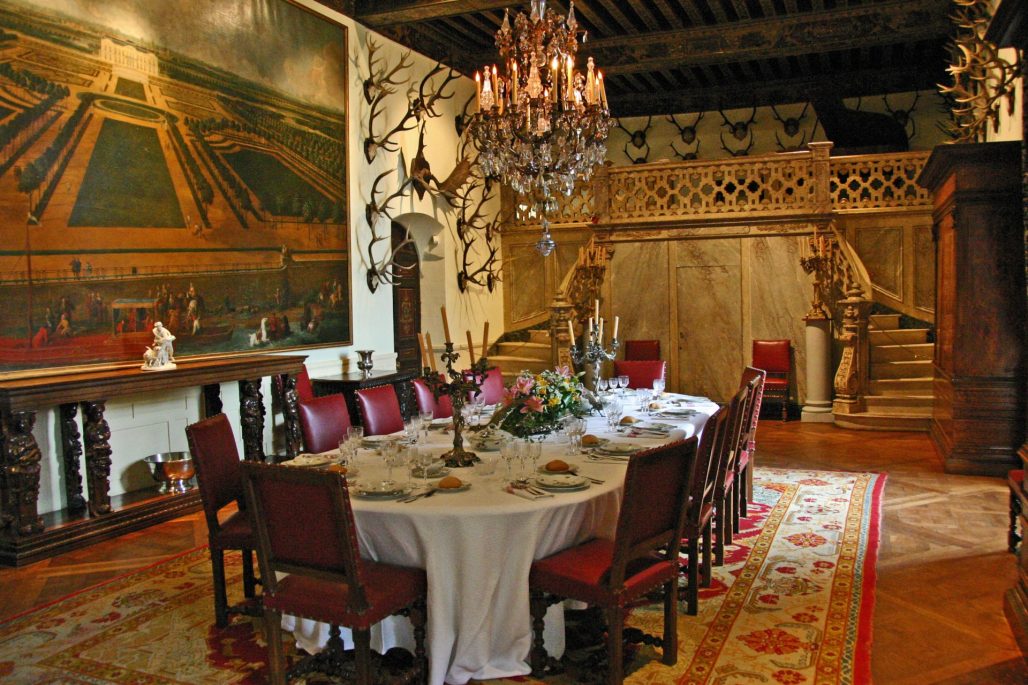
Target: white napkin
(676, 434)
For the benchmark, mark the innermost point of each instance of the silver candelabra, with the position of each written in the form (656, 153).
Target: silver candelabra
(593, 356)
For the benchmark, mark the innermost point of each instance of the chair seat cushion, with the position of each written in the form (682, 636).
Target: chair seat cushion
(775, 384)
(235, 533)
(388, 588)
(582, 573)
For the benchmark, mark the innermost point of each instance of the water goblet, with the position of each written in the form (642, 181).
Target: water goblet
(623, 383)
(601, 385)
(658, 388)
(389, 451)
(530, 457)
(575, 429)
(410, 431)
(425, 417)
(355, 433)
(612, 410)
(509, 453)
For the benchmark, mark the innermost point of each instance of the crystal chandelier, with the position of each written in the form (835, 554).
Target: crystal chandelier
(542, 125)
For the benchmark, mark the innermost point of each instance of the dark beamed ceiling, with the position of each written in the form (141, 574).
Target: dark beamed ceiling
(673, 56)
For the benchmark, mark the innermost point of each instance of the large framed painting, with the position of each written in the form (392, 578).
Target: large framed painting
(181, 161)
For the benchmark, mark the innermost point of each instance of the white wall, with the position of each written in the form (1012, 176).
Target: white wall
(143, 426)
(1010, 122)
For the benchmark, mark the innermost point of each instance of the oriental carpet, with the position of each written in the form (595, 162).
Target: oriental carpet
(792, 605)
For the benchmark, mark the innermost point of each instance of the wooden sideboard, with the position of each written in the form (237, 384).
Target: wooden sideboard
(349, 383)
(90, 514)
(978, 417)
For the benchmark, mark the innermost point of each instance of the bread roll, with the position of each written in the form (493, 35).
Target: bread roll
(589, 440)
(629, 420)
(557, 465)
(336, 468)
(450, 483)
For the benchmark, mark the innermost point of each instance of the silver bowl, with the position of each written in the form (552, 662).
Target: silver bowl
(174, 471)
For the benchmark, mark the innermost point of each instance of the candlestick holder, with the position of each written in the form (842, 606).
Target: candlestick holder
(458, 389)
(593, 356)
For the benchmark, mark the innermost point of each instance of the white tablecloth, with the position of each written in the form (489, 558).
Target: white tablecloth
(477, 547)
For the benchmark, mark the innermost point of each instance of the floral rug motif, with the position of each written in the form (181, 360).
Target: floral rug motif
(792, 606)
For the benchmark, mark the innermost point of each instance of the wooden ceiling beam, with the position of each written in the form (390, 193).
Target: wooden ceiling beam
(382, 13)
(881, 23)
(848, 84)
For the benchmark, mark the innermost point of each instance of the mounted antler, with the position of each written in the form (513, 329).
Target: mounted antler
(423, 106)
(902, 116)
(460, 121)
(382, 270)
(687, 134)
(378, 87)
(791, 128)
(739, 129)
(637, 139)
(741, 152)
(468, 229)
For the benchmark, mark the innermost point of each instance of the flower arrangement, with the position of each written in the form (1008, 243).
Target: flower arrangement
(535, 403)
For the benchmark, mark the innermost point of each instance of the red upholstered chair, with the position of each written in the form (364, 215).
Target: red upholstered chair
(744, 464)
(218, 474)
(441, 408)
(773, 357)
(1015, 481)
(492, 386)
(380, 410)
(725, 481)
(304, 388)
(310, 557)
(642, 350)
(641, 374)
(699, 514)
(642, 557)
(323, 422)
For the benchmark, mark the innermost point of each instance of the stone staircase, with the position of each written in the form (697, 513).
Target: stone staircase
(532, 354)
(900, 393)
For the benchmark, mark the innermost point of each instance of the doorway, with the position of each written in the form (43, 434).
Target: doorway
(406, 299)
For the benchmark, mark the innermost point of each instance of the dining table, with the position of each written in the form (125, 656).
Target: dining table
(477, 543)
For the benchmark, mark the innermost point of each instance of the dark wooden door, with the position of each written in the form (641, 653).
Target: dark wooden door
(406, 301)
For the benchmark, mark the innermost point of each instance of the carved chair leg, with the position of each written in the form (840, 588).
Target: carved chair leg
(742, 489)
(726, 515)
(417, 619)
(1013, 539)
(276, 659)
(615, 645)
(249, 582)
(362, 650)
(735, 504)
(670, 645)
(708, 557)
(692, 589)
(785, 410)
(538, 656)
(220, 596)
(719, 539)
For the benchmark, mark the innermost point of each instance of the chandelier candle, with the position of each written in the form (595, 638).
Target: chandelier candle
(541, 126)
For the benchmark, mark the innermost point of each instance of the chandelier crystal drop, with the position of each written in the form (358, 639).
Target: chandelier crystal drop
(541, 125)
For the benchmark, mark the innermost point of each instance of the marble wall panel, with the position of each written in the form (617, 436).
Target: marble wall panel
(778, 298)
(639, 292)
(881, 250)
(524, 277)
(924, 268)
(707, 279)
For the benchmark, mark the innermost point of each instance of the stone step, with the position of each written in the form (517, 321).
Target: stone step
(512, 366)
(898, 353)
(539, 335)
(898, 336)
(884, 321)
(902, 386)
(887, 421)
(905, 369)
(531, 350)
(900, 403)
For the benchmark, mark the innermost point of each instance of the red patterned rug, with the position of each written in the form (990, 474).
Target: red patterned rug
(792, 605)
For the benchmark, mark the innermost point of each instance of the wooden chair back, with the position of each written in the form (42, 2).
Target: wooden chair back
(318, 539)
(216, 458)
(323, 422)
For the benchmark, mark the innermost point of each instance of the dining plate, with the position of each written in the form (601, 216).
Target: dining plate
(311, 460)
(573, 469)
(378, 440)
(618, 448)
(561, 481)
(385, 489)
(463, 487)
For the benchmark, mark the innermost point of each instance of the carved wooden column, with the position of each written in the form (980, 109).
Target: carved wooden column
(71, 443)
(561, 312)
(211, 400)
(21, 458)
(98, 456)
(251, 414)
(291, 415)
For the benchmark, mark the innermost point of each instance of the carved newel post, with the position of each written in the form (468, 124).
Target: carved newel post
(817, 406)
(98, 457)
(21, 474)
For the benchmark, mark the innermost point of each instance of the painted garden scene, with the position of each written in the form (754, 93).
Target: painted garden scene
(169, 162)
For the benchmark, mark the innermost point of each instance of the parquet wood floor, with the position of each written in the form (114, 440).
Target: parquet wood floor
(942, 566)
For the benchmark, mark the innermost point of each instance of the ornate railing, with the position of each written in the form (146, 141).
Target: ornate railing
(881, 181)
(851, 294)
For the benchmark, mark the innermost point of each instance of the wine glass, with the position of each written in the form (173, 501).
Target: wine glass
(389, 451)
(658, 388)
(424, 458)
(601, 385)
(410, 431)
(576, 429)
(425, 417)
(509, 451)
(623, 383)
(612, 410)
(530, 457)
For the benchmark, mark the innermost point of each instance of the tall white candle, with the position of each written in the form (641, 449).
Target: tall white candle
(571, 332)
(617, 320)
(596, 308)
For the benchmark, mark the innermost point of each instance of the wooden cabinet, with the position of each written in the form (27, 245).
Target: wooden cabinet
(349, 383)
(978, 418)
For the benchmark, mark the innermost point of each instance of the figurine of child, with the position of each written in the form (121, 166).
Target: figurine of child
(161, 355)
